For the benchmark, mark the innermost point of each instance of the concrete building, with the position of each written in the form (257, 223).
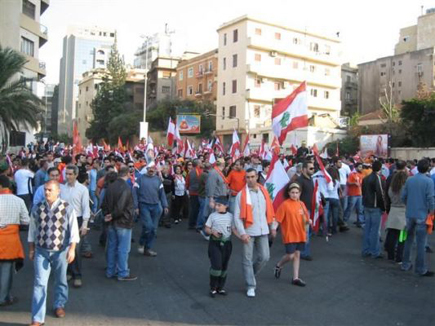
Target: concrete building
(47, 114)
(349, 90)
(197, 77)
(21, 30)
(260, 62)
(161, 82)
(88, 88)
(417, 37)
(84, 49)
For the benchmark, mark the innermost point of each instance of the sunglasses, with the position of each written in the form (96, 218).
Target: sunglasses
(311, 169)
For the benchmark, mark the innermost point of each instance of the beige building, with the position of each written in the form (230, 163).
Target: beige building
(161, 82)
(349, 89)
(197, 77)
(88, 88)
(417, 37)
(260, 62)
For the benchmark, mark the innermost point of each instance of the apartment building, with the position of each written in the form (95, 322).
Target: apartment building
(89, 86)
(21, 30)
(197, 77)
(349, 90)
(84, 48)
(161, 82)
(261, 62)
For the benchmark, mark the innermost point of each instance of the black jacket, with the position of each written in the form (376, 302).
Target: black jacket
(373, 191)
(118, 201)
(307, 189)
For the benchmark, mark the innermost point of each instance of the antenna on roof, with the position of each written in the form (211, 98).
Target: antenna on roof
(422, 9)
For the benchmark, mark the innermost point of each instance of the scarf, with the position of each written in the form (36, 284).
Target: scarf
(221, 174)
(246, 213)
(5, 191)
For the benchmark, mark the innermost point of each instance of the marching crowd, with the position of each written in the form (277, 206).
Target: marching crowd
(58, 198)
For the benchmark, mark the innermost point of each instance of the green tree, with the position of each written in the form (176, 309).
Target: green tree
(18, 105)
(109, 103)
(418, 116)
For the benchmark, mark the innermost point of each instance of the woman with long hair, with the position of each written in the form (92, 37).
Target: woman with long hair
(178, 194)
(396, 221)
(332, 198)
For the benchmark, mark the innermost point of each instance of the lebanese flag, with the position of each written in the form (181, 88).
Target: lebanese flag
(290, 113)
(170, 133)
(276, 181)
(294, 149)
(275, 147)
(316, 207)
(212, 159)
(235, 147)
(246, 149)
(218, 144)
(188, 149)
(324, 153)
(320, 162)
(262, 151)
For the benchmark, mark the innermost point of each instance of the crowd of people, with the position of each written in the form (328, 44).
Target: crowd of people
(58, 198)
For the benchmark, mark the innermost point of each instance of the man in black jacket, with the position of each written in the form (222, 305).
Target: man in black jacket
(118, 208)
(373, 190)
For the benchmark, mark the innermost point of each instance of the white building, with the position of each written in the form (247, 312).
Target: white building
(260, 62)
(84, 49)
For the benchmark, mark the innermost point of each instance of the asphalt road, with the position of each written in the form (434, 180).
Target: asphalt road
(172, 289)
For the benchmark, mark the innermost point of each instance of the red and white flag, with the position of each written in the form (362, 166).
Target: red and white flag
(290, 113)
(276, 181)
(170, 135)
(316, 207)
(275, 147)
(235, 147)
(246, 149)
(324, 153)
(212, 159)
(320, 162)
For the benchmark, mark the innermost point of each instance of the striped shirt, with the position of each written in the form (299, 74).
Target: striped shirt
(12, 210)
(221, 223)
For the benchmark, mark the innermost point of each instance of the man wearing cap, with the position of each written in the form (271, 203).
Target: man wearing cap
(152, 200)
(217, 184)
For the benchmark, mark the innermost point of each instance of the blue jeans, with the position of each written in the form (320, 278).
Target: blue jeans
(371, 243)
(6, 274)
(44, 262)
(94, 205)
(118, 248)
(354, 202)
(415, 227)
(232, 204)
(307, 251)
(150, 216)
(332, 207)
(201, 216)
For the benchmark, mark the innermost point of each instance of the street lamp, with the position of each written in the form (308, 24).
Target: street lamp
(144, 127)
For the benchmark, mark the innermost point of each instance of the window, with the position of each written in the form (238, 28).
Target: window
(312, 68)
(277, 36)
(327, 49)
(234, 60)
(210, 85)
(348, 79)
(383, 73)
(400, 71)
(295, 65)
(200, 69)
(314, 47)
(112, 34)
(87, 88)
(347, 96)
(29, 9)
(223, 113)
(224, 63)
(400, 84)
(234, 86)
(258, 31)
(166, 89)
(180, 76)
(313, 92)
(328, 72)
(235, 36)
(225, 39)
(27, 46)
(296, 40)
(326, 94)
(256, 111)
(277, 86)
(96, 87)
(200, 88)
(383, 65)
(232, 111)
(400, 62)
(223, 88)
(257, 82)
(257, 57)
(394, 63)
(180, 93)
(210, 65)
(419, 68)
(189, 90)
(278, 61)
(87, 103)
(393, 84)
(100, 62)
(190, 72)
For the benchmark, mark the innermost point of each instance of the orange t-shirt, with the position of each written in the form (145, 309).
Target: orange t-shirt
(366, 172)
(236, 181)
(353, 190)
(292, 215)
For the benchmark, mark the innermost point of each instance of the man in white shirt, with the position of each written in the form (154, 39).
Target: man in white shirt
(23, 178)
(344, 171)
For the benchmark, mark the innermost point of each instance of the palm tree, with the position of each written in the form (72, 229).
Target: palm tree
(18, 105)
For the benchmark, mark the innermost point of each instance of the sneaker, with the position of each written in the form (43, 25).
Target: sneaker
(127, 278)
(141, 249)
(298, 282)
(77, 283)
(222, 292)
(205, 235)
(277, 271)
(428, 274)
(59, 312)
(213, 293)
(429, 250)
(150, 253)
(9, 302)
(251, 293)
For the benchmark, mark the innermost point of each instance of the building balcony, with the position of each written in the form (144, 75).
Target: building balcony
(35, 28)
(208, 91)
(198, 94)
(35, 65)
(298, 76)
(208, 72)
(294, 50)
(199, 74)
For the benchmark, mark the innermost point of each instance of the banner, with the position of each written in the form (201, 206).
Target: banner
(374, 145)
(189, 123)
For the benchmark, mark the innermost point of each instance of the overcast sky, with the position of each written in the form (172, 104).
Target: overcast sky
(368, 29)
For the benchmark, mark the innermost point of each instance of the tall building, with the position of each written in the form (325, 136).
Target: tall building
(261, 62)
(161, 82)
(21, 30)
(349, 90)
(197, 77)
(399, 75)
(84, 49)
(47, 114)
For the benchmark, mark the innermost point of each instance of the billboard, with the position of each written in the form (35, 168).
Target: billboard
(189, 123)
(374, 145)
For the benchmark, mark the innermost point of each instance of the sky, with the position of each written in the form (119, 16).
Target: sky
(368, 29)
